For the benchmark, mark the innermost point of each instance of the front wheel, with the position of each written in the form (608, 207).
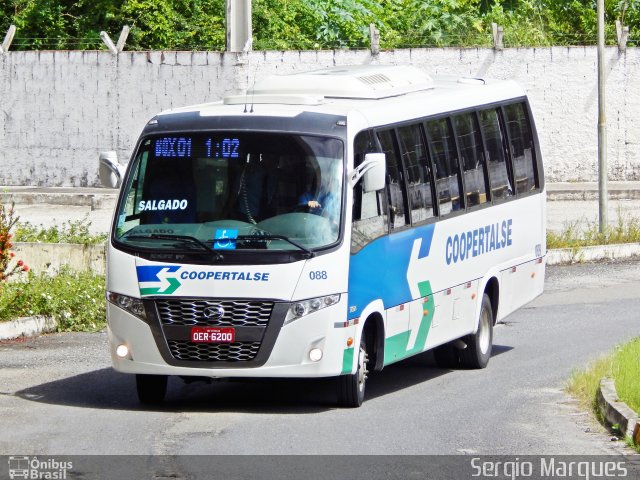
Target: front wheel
(151, 388)
(351, 387)
(479, 344)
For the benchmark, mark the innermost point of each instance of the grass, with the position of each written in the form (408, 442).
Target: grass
(75, 300)
(584, 234)
(583, 384)
(623, 365)
(72, 231)
(626, 373)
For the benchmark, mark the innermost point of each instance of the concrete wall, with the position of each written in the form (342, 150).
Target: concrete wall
(52, 257)
(58, 109)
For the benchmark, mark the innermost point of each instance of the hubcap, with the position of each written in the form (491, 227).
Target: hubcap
(363, 359)
(484, 339)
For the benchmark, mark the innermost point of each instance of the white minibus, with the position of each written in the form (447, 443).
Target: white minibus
(325, 224)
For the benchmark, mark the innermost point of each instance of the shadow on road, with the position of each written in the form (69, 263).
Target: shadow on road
(108, 389)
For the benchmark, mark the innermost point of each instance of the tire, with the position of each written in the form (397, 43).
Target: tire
(151, 388)
(351, 387)
(479, 344)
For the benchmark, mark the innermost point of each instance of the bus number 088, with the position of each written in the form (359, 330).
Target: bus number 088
(318, 275)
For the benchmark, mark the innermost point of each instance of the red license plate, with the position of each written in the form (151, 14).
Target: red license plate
(213, 335)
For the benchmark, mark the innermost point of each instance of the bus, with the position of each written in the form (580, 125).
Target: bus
(325, 224)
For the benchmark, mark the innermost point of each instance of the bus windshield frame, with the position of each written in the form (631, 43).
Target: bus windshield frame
(233, 195)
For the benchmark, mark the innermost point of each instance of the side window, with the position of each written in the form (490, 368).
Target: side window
(131, 211)
(369, 209)
(416, 164)
(495, 147)
(394, 179)
(470, 143)
(521, 147)
(445, 161)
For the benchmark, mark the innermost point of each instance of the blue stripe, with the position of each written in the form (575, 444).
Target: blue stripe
(149, 273)
(379, 270)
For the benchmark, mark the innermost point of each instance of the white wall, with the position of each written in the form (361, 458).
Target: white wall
(58, 109)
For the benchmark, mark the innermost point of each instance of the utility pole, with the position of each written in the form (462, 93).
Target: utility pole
(238, 16)
(602, 125)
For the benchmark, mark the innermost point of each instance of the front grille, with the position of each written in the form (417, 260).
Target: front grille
(224, 352)
(191, 312)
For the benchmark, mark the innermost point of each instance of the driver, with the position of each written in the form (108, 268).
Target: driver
(326, 200)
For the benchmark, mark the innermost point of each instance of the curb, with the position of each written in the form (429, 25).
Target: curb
(564, 191)
(95, 198)
(566, 256)
(26, 327)
(616, 412)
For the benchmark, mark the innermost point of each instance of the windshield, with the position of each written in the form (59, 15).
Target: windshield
(233, 191)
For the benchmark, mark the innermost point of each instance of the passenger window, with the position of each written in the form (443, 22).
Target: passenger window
(394, 179)
(369, 209)
(445, 161)
(473, 164)
(521, 146)
(415, 160)
(494, 143)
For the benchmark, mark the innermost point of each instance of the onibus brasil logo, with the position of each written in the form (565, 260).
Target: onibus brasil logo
(35, 468)
(158, 279)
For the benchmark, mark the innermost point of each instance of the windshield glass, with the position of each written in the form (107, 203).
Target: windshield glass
(233, 191)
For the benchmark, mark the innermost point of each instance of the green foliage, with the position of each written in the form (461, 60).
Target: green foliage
(8, 266)
(165, 24)
(75, 300)
(623, 365)
(68, 232)
(437, 23)
(626, 372)
(307, 24)
(583, 384)
(284, 25)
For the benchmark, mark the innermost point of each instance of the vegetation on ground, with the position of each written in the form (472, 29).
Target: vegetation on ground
(74, 299)
(310, 24)
(623, 365)
(584, 234)
(72, 231)
(9, 266)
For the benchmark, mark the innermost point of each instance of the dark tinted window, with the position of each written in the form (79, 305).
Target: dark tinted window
(414, 158)
(470, 143)
(394, 179)
(445, 161)
(521, 147)
(494, 141)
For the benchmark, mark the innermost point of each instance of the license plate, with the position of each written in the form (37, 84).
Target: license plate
(213, 335)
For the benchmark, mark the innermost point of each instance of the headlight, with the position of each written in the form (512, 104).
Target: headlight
(130, 304)
(305, 307)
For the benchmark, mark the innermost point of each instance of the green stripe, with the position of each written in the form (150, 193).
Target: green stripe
(149, 291)
(396, 347)
(347, 360)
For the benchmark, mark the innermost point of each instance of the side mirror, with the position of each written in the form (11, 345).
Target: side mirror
(374, 171)
(110, 171)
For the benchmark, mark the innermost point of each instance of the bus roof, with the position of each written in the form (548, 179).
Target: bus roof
(381, 93)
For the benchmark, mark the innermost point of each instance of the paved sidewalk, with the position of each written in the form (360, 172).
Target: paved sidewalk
(567, 203)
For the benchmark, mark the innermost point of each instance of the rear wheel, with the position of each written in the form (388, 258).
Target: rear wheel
(351, 387)
(479, 344)
(151, 388)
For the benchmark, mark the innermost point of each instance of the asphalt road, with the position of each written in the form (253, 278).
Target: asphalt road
(59, 396)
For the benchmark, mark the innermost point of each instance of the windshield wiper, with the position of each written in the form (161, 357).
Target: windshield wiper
(268, 236)
(185, 239)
